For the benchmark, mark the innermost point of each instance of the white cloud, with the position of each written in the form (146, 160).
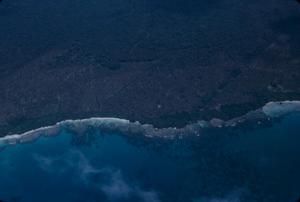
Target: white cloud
(113, 184)
(117, 188)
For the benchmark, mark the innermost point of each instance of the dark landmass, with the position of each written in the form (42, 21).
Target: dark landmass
(168, 63)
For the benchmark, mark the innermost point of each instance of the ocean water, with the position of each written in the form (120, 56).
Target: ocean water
(222, 165)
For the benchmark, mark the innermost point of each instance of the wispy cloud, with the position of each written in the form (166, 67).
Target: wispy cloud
(117, 188)
(113, 183)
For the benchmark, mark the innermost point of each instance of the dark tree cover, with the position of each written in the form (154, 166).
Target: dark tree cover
(166, 62)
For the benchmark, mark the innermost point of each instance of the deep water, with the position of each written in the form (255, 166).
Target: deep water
(257, 164)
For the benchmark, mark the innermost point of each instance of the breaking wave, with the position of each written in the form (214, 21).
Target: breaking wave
(267, 112)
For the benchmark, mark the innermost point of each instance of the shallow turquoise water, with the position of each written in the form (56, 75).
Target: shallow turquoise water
(261, 164)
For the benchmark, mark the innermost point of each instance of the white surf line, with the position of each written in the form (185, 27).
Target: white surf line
(81, 125)
(277, 109)
(270, 110)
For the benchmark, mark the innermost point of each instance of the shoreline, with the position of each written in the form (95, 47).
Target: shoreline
(269, 111)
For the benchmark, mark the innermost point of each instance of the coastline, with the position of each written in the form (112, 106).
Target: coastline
(269, 111)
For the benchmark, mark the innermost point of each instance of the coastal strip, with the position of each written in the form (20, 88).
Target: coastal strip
(269, 111)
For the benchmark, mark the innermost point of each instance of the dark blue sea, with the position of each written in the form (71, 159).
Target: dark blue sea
(245, 164)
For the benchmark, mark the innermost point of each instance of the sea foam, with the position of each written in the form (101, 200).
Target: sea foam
(270, 110)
